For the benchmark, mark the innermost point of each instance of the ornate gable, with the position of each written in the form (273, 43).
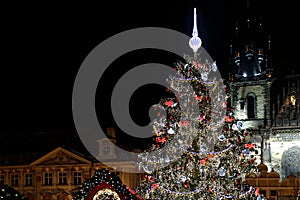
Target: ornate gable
(60, 156)
(288, 114)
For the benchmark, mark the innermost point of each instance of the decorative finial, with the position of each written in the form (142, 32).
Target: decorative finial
(248, 23)
(236, 28)
(260, 25)
(195, 41)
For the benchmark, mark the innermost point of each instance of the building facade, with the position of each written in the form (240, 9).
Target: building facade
(58, 174)
(268, 103)
(270, 185)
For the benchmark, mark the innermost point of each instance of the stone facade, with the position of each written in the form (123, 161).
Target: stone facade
(250, 100)
(274, 122)
(59, 174)
(263, 100)
(56, 173)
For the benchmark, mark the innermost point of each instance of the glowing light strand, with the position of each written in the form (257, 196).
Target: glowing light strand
(208, 153)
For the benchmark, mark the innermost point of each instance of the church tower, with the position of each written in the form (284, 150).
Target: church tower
(251, 73)
(268, 105)
(250, 79)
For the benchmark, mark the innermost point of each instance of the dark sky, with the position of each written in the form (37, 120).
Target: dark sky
(44, 44)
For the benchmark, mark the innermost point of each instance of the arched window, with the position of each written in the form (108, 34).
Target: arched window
(251, 106)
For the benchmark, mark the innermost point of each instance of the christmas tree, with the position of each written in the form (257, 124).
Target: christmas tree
(200, 151)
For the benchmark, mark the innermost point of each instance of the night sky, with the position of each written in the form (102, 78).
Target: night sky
(44, 44)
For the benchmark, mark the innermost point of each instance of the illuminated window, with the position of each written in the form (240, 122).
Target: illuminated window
(62, 178)
(48, 178)
(28, 179)
(293, 100)
(14, 179)
(77, 178)
(2, 178)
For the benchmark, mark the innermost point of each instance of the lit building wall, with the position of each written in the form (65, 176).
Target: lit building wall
(58, 175)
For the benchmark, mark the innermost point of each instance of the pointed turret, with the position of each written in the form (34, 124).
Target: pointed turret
(250, 53)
